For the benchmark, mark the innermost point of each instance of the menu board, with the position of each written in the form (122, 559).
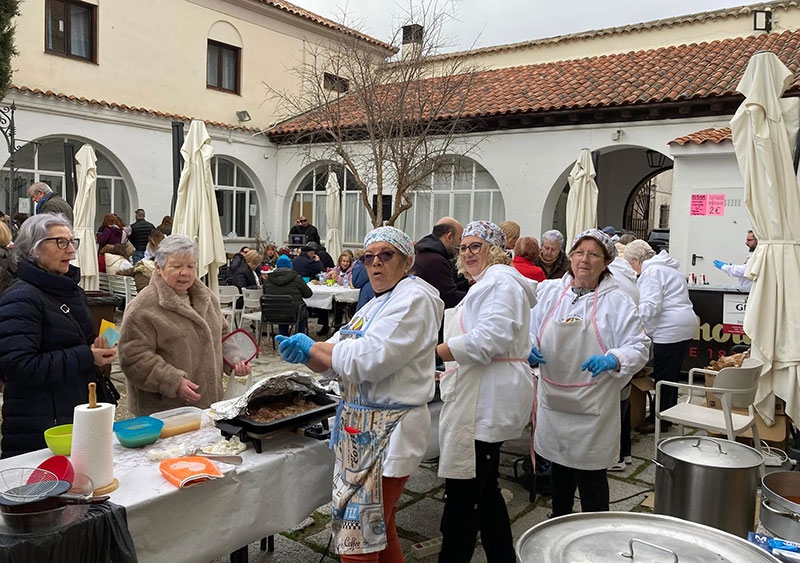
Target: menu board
(707, 204)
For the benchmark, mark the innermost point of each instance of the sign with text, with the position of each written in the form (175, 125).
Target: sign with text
(733, 307)
(707, 204)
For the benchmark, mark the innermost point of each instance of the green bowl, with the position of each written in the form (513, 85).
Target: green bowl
(59, 439)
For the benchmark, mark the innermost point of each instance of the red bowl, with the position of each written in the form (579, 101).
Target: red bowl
(60, 466)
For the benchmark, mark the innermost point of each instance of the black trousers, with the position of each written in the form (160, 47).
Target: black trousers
(592, 484)
(625, 428)
(667, 360)
(476, 504)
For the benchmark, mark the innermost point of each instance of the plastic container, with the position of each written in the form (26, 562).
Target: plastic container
(180, 420)
(60, 466)
(139, 431)
(59, 439)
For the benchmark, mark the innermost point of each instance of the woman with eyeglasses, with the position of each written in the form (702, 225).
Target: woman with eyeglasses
(383, 359)
(487, 391)
(48, 349)
(592, 342)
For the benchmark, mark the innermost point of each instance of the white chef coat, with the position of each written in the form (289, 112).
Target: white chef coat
(664, 304)
(573, 433)
(737, 271)
(394, 363)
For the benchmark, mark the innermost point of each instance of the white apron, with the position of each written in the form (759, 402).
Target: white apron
(577, 418)
(458, 388)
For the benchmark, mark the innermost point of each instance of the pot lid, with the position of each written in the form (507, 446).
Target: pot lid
(607, 536)
(711, 452)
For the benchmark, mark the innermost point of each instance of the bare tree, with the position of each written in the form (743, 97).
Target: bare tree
(388, 119)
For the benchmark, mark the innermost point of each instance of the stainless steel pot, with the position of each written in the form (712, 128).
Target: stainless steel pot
(779, 514)
(632, 536)
(709, 481)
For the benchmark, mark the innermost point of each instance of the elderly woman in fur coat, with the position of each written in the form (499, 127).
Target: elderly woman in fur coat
(170, 347)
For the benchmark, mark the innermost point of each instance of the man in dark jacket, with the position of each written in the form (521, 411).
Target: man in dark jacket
(48, 201)
(433, 257)
(140, 232)
(285, 281)
(308, 264)
(324, 257)
(303, 227)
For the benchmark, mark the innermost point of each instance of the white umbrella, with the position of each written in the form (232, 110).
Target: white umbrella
(582, 198)
(764, 128)
(333, 212)
(84, 212)
(196, 213)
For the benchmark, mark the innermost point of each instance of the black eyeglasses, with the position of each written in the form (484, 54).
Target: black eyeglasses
(63, 243)
(385, 256)
(473, 248)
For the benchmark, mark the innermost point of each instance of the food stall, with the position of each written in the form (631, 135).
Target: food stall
(720, 311)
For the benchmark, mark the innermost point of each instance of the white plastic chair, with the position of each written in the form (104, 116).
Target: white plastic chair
(251, 311)
(228, 294)
(734, 386)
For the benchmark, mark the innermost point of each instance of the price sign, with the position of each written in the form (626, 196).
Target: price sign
(716, 204)
(699, 204)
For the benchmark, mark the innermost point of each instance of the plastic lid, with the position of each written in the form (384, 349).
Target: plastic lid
(711, 452)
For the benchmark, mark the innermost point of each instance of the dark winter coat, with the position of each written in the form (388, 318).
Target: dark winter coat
(46, 362)
(54, 203)
(285, 281)
(140, 232)
(432, 264)
(307, 267)
(8, 269)
(557, 270)
(361, 281)
(110, 234)
(326, 259)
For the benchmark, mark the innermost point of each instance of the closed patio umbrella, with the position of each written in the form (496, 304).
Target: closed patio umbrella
(84, 212)
(582, 198)
(333, 211)
(764, 129)
(196, 213)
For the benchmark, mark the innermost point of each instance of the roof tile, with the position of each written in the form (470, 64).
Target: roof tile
(712, 135)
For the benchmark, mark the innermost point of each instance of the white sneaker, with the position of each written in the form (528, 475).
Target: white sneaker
(627, 459)
(619, 466)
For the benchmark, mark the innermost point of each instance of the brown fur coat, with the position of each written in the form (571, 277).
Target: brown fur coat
(163, 340)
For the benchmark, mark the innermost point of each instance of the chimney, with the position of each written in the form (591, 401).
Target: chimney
(412, 40)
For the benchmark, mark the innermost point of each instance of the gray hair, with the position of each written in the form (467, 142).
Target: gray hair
(40, 187)
(174, 244)
(553, 236)
(35, 229)
(638, 250)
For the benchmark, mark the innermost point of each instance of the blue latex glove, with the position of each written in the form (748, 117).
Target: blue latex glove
(295, 349)
(598, 364)
(719, 264)
(535, 357)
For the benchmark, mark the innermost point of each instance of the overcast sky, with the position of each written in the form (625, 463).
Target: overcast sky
(494, 22)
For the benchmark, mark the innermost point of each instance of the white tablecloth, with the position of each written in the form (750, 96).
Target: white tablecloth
(324, 295)
(269, 493)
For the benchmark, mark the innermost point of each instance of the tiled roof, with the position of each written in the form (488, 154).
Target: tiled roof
(311, 16)
(122, 107)
(706, 135)
(645, 26)
(699, 71)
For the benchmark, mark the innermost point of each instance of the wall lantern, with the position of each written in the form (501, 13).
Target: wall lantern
(762, 20)
(655, 159)
(243, 115)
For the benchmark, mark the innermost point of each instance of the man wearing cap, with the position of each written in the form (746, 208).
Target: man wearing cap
(303, 227)
(322, 254)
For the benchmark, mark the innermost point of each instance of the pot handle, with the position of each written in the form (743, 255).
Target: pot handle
(791, 515)
(717, 442)
(654, 546)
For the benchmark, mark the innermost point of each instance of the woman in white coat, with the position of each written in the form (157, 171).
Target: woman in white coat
(667, 313)
(487, 391)
(593, 341)
(384, 361)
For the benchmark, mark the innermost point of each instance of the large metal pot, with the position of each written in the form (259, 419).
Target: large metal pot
(631, 536)
(780, 504)
(709, 481)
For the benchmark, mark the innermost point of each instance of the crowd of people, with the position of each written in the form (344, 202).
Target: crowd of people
(477, 304)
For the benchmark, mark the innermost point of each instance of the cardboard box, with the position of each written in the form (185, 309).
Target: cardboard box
(714, 402)
(640, 392)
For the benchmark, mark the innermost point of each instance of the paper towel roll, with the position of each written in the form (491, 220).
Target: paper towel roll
(92, 433)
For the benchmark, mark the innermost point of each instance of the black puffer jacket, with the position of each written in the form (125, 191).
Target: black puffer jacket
(46, 362)
(285, 281)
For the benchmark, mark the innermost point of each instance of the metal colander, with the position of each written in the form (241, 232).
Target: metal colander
(26, 484)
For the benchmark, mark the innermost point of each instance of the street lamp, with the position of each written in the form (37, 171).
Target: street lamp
(9, 131)
(655, 159)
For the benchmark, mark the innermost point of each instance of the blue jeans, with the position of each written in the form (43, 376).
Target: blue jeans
(138, 255)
